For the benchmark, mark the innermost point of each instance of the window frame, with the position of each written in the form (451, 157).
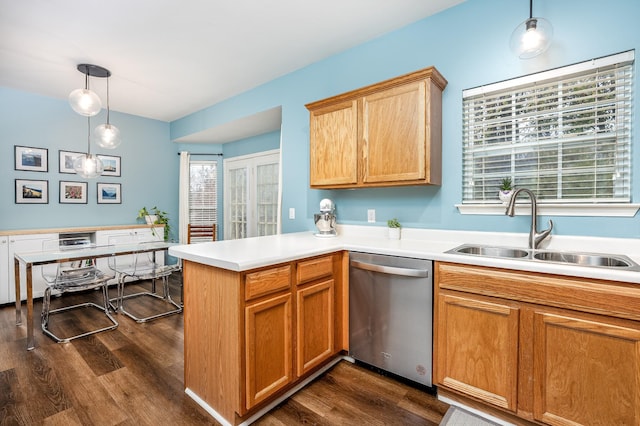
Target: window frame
(613, 205)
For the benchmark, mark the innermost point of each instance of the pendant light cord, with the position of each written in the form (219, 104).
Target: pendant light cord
(88, 136)
(108, 109)
(530, 13)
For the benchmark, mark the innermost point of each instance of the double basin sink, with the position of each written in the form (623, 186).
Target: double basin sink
(619, 262)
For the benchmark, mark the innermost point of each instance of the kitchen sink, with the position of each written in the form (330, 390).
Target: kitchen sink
(597, 260)
(586, 259)
(492, 251)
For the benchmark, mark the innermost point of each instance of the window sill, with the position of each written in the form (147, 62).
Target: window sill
(615, 210)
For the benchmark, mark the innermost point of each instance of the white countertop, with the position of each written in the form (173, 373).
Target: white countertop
(250, 253)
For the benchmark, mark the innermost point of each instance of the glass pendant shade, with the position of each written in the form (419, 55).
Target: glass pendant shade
(88, 166)
(531, 38)
(107, 136)
(85, 102)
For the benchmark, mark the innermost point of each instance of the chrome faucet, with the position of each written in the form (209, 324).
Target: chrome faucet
(535, 237)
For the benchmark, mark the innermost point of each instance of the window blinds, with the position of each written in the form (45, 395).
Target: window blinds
(565, 134)
(203, 197)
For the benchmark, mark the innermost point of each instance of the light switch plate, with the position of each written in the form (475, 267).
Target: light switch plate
(292, 213)
(371, 215)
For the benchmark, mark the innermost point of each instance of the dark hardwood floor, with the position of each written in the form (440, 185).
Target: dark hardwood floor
(134, 376)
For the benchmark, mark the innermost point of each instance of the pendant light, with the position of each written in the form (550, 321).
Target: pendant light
(84, 101)
(532, 37)
(107, 135)
(88, 165)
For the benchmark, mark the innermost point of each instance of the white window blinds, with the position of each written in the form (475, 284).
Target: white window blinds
(564, 133)
(203, 197)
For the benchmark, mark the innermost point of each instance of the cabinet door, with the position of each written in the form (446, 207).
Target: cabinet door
(334, 145)
(27, 243)
(478, 347)
(5, 279)
(314, 325)
(268, 334)
(394, 134)
(586, 370)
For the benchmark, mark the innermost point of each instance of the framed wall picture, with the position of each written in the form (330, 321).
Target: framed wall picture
(73, 192)
(31, 159)
(32, 191)
(65, 161)
(109, 193)
(111, 165)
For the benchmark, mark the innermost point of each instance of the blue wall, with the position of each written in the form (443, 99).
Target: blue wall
(149, 164)
(469, 44)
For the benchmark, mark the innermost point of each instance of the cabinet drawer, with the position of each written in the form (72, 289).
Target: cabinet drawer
(309, 270)
(267, 281)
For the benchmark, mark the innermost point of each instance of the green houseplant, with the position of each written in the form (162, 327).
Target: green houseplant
(156, 217)
(506, 188)
(394, 229)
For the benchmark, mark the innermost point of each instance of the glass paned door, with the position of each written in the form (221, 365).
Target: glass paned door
(251, 195)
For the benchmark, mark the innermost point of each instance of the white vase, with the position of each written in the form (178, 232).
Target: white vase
(394, 233)
(505, 196)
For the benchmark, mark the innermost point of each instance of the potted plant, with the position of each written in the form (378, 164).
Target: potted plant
(156, 217)
(394, 229)
(506, 188)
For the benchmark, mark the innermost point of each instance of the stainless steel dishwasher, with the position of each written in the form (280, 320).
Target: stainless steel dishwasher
(391, 314)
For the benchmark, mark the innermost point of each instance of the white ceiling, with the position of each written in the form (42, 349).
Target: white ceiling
(170, 58)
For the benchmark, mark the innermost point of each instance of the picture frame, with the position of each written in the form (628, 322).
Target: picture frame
(30, 191)
(111, 165)
(31, 159)
(109, 193)
(65, 161)
(73, 192)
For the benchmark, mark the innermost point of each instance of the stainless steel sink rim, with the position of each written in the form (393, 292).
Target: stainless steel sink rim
(593, 260)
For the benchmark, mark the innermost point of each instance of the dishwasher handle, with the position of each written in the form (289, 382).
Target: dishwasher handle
(391, 270)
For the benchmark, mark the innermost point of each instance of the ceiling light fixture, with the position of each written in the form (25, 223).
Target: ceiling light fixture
(88, 165)
(84, 101)
(107, 135)
(532, 37)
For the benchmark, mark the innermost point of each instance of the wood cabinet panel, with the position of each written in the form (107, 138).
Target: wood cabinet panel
(478, 348)
(388, 117)
(315, 328)
(586, 370)
(333, 136)
(313, 269)
(268, 346)
(267, 281)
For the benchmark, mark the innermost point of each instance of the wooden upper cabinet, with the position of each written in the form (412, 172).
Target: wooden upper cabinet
(386, 134)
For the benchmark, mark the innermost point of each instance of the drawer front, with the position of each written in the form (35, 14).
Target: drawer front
(267, 281)
(309, 270)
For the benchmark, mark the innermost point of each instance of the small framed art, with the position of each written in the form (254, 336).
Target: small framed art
(32, 191)
(109, 193)
(111, 165)
(65, 161)
(31, 159)
(73, 192)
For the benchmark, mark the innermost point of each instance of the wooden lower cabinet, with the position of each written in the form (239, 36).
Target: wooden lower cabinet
(315, 327)
(268, 334)
(499, 347)
(252, 336)
(478, 348)
(586, 370)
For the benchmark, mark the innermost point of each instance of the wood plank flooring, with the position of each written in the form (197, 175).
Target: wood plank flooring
(134, 376)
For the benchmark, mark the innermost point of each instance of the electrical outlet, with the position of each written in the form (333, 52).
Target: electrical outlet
(371, 215)
(292, 213)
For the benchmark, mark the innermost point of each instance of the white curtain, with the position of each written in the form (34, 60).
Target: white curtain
(184, 196)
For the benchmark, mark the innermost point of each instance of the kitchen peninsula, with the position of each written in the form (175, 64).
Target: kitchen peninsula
(264, 315)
